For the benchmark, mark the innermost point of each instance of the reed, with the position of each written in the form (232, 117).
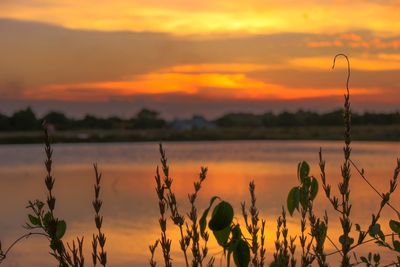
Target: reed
(341, 203)
(256, 233)
(43, 221)
(313, 229)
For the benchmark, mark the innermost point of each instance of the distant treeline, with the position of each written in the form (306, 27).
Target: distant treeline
(26, 120)
(305, 118)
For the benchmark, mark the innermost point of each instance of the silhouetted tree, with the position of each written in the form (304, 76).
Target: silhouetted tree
(287, 119)
(269, 119)
(24, 120)
(147, 119)
(4, 123)
(59, 120)
(240, 120)
(92, 122)
(332, 118)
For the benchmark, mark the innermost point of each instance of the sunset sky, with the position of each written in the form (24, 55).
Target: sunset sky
(186, 57)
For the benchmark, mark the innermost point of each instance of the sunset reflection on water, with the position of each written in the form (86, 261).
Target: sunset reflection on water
(130, 206)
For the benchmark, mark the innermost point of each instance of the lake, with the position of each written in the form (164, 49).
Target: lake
(130, 205)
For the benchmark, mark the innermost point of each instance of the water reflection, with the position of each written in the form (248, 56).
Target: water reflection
(130, 206)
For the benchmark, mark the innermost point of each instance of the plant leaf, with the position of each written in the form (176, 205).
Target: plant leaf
(222, 235)
(241, 254)
(46, 219)
(377, 258)
(203, 219)
(343, 240)
(396, 245)
(322, 230)
(222, 216)
(395, 226)
(61, 228)
(293, 200)
(314, 188)
(374, 230)
(34, 220)
(364, 259)
(303, 196)
(303, 170)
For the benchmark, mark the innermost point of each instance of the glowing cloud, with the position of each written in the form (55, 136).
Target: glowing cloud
(228, 81)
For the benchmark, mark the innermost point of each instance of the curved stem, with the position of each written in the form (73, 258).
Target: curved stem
(348, 69)
(345, 169)
(25, 236)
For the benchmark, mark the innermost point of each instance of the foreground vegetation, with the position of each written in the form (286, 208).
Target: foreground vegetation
(243, 245)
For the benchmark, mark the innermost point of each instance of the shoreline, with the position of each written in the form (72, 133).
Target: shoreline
(359, 133)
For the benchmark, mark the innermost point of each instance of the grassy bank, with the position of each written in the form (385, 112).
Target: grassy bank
(366, 132)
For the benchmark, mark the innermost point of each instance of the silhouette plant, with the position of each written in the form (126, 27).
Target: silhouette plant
(313, 229)
(42, 221)
(304, 195)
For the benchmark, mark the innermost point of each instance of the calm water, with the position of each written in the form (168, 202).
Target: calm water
(130, 205)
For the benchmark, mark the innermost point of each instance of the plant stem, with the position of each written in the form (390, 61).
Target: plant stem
(25, 236)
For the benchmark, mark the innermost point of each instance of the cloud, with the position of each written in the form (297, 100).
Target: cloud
(210, 17)
(331, 79)
(45, 54)
(46, 62)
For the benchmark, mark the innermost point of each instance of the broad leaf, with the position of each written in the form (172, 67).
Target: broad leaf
(293, 200)
(374, 230)
(222, 216)
(46, 219)
(303, 169)
(395, 226)
(61, 228)
(222, 235)
(241, 255)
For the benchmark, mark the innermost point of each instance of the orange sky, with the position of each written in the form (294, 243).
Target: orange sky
(274, 54)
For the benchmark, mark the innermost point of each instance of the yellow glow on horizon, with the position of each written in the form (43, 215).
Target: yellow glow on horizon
(221, 83)
(224, 68)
